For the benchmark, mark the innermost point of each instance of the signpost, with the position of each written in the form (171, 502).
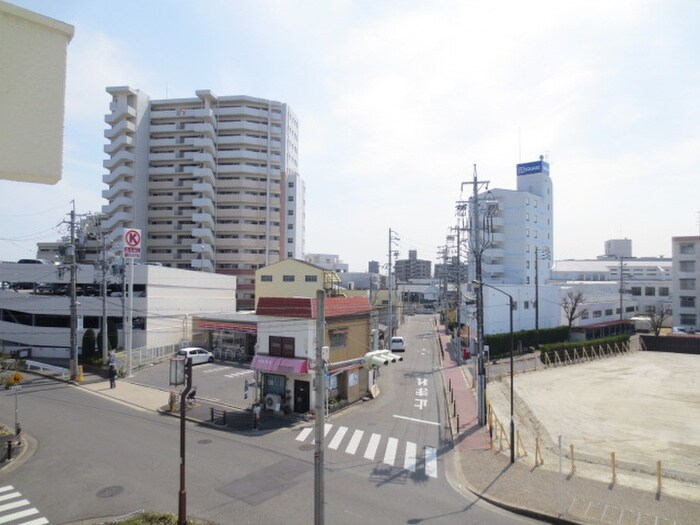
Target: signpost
(132, 250)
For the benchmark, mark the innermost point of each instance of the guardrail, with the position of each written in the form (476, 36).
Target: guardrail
(42, 367)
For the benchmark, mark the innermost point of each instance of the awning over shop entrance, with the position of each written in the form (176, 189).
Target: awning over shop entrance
(284, 365)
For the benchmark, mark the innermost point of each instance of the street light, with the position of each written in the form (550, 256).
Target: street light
(478, 284)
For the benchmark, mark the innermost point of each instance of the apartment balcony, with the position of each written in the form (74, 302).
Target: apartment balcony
(123, 157)
(168, 142)
(243, 127)
(243, 170)
(120, 203)
(494, 253)
(159, 243)
(207, 159)
(204, 188)
(205, 174)
(162, 214)
(241, 184)
(203, 250)
(246, 140)
(166, 156)
(205, 235)
(161, 170)
(206, 219)
(493, 269)
(121, 142)
(161, 199)
(203, 265)
(206, 144)
(160, 229)
(120, 172)
(163, 128)
(120, 111)
(243, 155)
(120, 218)
(121, 187)
(207, 129)
(205, 114)
(122, 127)
(205, 204)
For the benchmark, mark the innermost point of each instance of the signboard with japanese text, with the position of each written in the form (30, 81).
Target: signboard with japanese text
(132, 243)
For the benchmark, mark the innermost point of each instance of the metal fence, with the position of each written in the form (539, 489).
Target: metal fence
(145, 356)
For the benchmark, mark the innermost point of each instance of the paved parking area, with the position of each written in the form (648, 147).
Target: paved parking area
(643, 406)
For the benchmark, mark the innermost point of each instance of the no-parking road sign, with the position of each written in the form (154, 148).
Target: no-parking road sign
(132, 243)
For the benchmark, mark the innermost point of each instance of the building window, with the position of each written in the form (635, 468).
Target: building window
(687, 301)
(311, 278)
(290, 226)
(686, 248)
(527, 232)
(687, 266)
(629, 309)
(649, 291)
(636, 290)
(266, 278)
(339, 339)
(584, 314)
(290, 198)
(290, 212)
(281, 346)
(686, 284)
(609, 311)
(527, 216)
(288, 278)
(688, 319)
(597, 313)
(663, 291)
(526, 305)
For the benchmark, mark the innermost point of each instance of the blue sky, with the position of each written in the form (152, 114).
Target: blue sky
(397, 100)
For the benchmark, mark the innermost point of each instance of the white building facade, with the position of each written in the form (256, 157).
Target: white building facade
(205, 179)
(686, 281)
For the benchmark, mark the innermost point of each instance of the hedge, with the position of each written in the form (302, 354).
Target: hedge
(499, 344)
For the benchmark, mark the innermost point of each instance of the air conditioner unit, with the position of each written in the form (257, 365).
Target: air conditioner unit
(273, 402)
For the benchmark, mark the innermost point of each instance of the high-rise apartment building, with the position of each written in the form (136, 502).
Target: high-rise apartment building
(412, 268)
(685, 272)
(211, 182)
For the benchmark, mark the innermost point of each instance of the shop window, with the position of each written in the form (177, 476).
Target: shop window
(281, 346)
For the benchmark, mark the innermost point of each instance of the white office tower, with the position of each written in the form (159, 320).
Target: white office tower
(520, 243)
(207, 181)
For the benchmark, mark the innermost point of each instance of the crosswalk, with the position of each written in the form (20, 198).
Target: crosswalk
(411, 458)
(229, 372)
(14, 508)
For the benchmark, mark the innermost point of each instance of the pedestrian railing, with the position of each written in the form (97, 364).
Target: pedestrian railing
(45, 367)
(145, 356)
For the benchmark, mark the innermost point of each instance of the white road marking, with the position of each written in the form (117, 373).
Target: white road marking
(390, 451)
(18, 515)
(14, 505)
(242, 373)
(409, 460)
(371, 449)
(326, 430)
(355, 441)
(417, 420)
(335, 442)
(11, 495)
(38, 521)
(430, 461)
(6, 488)
(304, 433)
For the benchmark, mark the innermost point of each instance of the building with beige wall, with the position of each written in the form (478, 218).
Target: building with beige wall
(294, 278)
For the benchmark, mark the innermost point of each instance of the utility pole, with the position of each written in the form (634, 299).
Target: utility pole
(393, 239)
(105, 343)
(537, 301)
(622, 287)
(319, 409)
(477, 246)
(73, 299)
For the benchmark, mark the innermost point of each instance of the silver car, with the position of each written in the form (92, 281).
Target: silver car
(198, 355)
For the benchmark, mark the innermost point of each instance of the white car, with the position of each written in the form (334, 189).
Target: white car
(397, 344)
(198, 355)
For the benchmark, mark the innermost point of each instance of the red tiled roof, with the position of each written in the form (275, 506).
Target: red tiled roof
(306, 307)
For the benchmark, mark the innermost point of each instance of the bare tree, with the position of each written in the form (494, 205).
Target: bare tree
(657, 319)
(573, 306)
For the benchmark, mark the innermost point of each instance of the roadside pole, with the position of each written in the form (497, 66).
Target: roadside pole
(319, 409)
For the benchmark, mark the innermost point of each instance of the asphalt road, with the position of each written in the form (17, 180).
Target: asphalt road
(97, 458)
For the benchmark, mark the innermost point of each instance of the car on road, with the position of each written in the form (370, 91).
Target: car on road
(397, 344)
(198, 355)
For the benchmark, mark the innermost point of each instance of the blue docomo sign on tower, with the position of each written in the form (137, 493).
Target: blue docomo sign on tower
(529, 168)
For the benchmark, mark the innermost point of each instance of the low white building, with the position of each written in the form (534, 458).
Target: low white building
(164, 301)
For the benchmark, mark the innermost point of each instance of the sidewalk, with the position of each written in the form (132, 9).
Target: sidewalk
(203, 411)
(539, 492)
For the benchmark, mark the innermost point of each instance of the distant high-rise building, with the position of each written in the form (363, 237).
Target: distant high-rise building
(373, 266)
(211, 182)
(327, 261)
(521, 228)
(412, 268)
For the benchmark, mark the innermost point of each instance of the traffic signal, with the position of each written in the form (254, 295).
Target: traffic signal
(375, 359)
(379, 358)
(393, 358)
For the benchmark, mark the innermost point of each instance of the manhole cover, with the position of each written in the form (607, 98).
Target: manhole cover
(307, 447)
(204, 441)
(108, 492)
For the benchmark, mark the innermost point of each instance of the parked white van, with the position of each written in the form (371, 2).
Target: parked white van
(198, 355)
(397, 344)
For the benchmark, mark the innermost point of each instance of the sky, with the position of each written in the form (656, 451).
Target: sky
(398, 101)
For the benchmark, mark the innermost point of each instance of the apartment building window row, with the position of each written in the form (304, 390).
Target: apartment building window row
(686, 284)
(687, 266)
(687, 301)
(686, 248)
